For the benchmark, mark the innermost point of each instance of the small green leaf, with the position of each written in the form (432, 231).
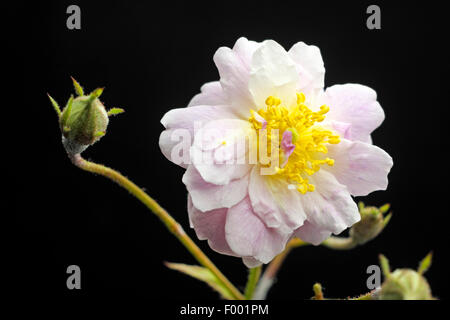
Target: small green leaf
(78, 88)
(202, 274)
(425, 264)
(115, 111)
(67, 111)
(384, 262)
(55, 106)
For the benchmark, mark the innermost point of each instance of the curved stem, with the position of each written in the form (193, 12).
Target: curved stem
(272, 269)
(252, 281)
(338, 243)
(274, 266)
(171, 224)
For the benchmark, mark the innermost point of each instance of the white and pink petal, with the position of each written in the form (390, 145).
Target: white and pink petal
(234, 74)
(210, 225)
(363, 168)
(207, 196)
(356, 105)
(220, 150)
(273, 73)
(274, 202)
(330, 207)
(310, 68)
(248, 236)
(211, 94)
(311, 233)
(181, 125)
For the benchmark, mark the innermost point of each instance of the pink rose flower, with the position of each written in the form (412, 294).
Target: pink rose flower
(249, 205)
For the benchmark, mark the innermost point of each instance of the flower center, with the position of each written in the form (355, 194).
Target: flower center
(300, 139)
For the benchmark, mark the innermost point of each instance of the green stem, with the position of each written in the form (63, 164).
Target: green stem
(367, 296)
(253, 277)
(338, 243)
(274, 266)
(171, 224)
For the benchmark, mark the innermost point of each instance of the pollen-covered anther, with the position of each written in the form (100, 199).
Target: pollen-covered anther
(301, 138)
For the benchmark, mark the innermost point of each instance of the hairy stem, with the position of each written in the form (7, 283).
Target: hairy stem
(171, 224)
(367, 296)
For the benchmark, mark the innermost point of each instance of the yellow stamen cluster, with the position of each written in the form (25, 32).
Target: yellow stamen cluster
(309, 139)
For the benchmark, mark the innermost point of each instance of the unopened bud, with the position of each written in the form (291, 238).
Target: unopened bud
(405, 284)
(371, 224)
(84, 120)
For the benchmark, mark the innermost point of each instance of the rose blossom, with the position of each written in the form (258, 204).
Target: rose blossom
(322, 153)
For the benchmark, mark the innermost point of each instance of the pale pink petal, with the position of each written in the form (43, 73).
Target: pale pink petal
(245, 49)
(362, 167)
(210, 225)
(248, 236)
(330, 207)
(167, 143)
(275, 203)
(341, 128)
(251, 262)
(312, 234)
(187, 119)
(309, 66)
(234, 71)
(220, 149)
(211, 94)
(207, 196)
(354, 104)
(273, 73)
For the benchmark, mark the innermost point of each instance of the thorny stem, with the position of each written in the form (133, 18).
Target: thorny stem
(171, 224)
(253, 278)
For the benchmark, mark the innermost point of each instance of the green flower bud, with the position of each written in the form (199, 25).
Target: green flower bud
(371, 224)
(405, 284)
(84, 120)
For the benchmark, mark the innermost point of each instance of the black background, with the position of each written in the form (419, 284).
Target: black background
(154, 56)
